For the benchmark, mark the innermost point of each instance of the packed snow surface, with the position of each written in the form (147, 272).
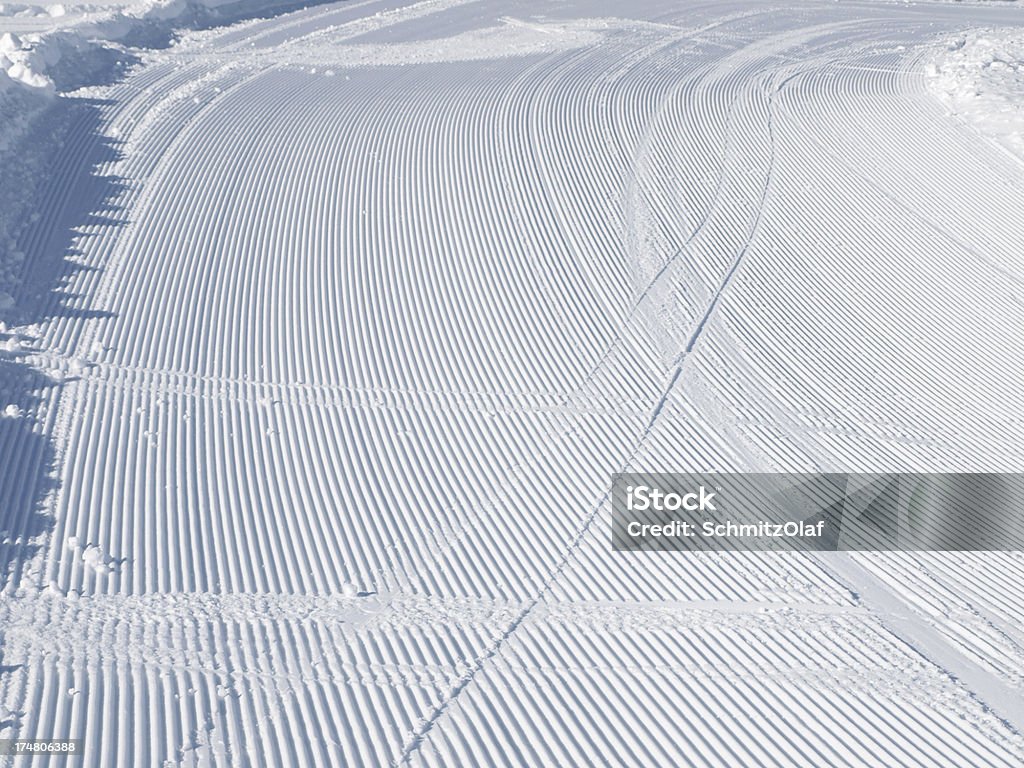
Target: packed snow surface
(323, 329)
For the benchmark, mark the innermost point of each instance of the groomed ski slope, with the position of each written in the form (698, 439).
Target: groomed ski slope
(333, 327)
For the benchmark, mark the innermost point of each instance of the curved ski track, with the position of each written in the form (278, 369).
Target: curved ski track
(394, 325)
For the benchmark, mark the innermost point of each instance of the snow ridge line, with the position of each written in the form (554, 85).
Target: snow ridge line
(495, 649)
(727, 279)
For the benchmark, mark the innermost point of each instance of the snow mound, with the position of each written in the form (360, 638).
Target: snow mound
(36, 68)
(23, 59)
(20, 105)
(979, 75)
(43, 59)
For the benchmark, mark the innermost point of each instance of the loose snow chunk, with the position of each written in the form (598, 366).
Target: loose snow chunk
(12, 411)
(97, 560)
(9, 42)
(92, 555)
(349, 590)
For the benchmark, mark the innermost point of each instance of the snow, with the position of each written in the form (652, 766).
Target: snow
(323, 330)
(36, 63)
(979, 75)
(349, 590)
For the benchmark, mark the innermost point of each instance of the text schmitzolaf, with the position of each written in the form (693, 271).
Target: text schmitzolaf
(642, 498)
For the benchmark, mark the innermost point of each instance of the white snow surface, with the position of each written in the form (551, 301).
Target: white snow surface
(323, 330)
(980, 76)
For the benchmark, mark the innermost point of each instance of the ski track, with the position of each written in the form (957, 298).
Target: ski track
(394, 323)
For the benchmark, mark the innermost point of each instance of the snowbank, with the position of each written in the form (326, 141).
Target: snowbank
(83, 49)
(32, 10)
(979, 75)
(20, 106)
(63, 56)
